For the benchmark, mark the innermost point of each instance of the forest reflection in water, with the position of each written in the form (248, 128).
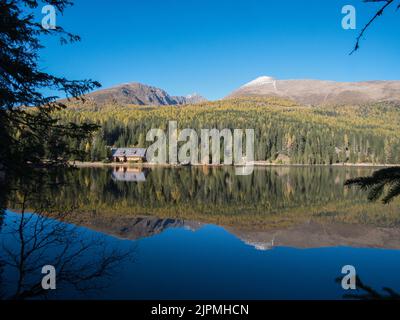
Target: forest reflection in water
(297, 207)
(269, 199)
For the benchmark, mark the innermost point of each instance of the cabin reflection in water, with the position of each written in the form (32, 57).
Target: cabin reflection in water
(129, 174)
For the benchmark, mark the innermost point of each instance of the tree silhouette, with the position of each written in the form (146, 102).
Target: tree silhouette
(370, 22)
(84, 262)
(29, 132)
(39, 241)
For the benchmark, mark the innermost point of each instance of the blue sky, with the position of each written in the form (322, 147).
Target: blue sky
(214, 46)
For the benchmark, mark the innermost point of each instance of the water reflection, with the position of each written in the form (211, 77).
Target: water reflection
(208, 190)
(299, 207)
(129, 174)
(198, 229)
(37, 235)
(365, 292)
(83, 263)
(381, 181)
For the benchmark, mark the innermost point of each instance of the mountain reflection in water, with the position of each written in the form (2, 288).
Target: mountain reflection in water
(196, 232)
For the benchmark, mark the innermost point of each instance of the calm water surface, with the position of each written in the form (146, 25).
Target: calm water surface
(201, 233)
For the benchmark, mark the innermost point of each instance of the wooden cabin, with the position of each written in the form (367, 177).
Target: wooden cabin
(129, 154)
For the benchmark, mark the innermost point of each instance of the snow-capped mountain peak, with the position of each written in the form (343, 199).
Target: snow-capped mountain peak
(260, 81)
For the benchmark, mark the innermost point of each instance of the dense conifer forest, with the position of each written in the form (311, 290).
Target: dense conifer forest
(299, 134)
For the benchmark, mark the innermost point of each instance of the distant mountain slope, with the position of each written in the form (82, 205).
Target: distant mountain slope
(190, 99)
(140, 94)
(318, 92)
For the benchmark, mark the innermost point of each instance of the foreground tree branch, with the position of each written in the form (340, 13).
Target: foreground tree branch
(369, 23)
(30, 132)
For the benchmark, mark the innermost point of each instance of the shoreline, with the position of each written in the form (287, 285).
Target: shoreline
(80, 164)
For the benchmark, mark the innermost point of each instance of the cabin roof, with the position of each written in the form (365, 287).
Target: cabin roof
(129, 152)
